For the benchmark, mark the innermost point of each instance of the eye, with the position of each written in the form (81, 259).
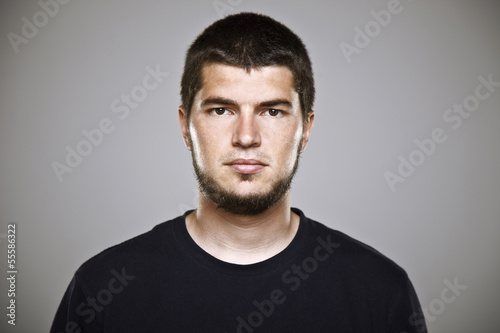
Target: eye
(219, 111)
(274, 112)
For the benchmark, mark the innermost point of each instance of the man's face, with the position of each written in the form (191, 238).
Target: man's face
(245, 134)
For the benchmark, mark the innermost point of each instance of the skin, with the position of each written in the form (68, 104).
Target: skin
(236, 117)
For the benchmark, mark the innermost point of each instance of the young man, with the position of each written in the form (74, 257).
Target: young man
(244, 260)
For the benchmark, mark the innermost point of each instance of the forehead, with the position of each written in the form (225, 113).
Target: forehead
(268, 82)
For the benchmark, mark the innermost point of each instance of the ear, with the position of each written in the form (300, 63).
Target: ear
(184, 126)
(307, 130)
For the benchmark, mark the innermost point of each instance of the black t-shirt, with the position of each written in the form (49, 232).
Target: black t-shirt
(162, 281)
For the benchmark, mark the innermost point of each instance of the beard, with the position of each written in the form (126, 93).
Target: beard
(251, 204)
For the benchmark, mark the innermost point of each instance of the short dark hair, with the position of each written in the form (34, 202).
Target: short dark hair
(249, 41)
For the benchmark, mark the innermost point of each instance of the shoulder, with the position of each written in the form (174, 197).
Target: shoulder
(136, 253)
(355, 258)
(368, 281)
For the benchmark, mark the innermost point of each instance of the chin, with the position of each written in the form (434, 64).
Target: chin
(247, 177)
(248, 191)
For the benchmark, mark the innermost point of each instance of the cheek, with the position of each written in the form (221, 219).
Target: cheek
(196, 145)
(290, 148)
(203, 145)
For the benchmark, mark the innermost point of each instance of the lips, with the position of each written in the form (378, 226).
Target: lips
(246, 166)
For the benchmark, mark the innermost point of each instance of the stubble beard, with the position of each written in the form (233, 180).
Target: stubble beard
(248, 205)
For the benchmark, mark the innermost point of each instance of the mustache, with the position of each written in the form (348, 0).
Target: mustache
(257, 156)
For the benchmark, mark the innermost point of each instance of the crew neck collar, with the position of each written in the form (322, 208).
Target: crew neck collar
(203, 258)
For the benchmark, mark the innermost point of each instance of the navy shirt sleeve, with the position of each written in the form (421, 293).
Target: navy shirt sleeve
(74, 314)
(407, 314)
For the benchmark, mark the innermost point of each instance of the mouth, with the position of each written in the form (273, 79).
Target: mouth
(246, 166)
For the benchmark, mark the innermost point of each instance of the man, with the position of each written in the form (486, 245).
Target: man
(244, 260)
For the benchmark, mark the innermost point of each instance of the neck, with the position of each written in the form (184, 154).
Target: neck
(242, 239)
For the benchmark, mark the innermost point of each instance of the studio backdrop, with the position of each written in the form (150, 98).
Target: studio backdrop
(404, 154)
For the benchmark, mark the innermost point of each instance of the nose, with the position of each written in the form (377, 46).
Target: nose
(246, 132)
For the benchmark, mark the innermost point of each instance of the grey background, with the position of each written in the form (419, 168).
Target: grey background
(442, 223)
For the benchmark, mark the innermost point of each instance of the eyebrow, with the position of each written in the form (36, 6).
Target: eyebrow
(218, 100)
(276, 102)
(225, 101)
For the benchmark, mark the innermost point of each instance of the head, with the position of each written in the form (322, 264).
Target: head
(246, 114)
(249, 41)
